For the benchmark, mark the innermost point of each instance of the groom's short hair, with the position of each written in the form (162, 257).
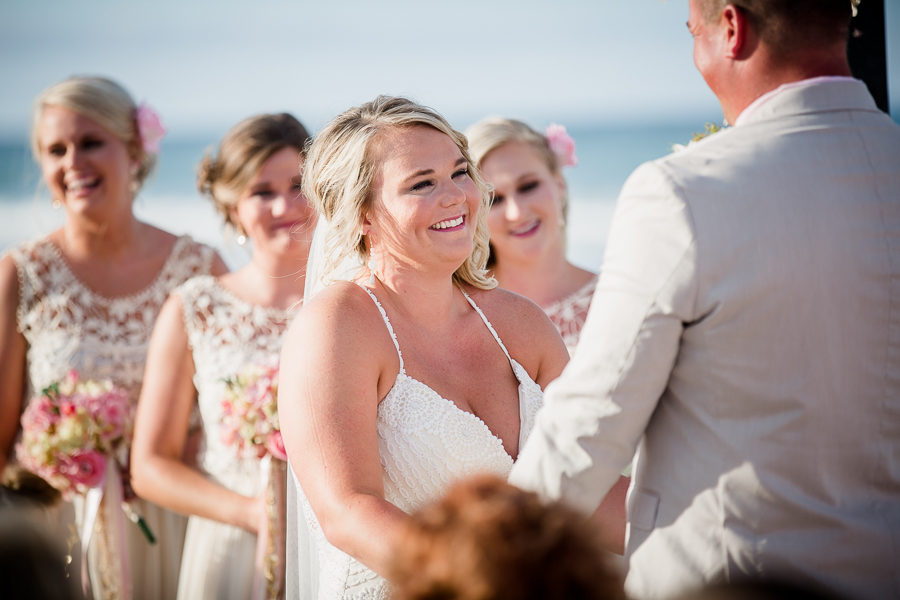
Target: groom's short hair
(789, 26)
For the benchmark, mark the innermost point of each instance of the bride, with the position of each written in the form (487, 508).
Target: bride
(417, 372)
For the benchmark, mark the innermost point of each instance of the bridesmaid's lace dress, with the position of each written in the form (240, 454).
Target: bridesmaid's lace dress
(68, 326)
(570, 313)
(227, 336)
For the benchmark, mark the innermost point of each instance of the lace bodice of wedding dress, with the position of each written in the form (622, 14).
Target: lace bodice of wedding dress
(68, 326)
(570, 313)
(227, 336)
(426, 443)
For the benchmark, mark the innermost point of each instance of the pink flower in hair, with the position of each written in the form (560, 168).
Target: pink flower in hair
(562, 144)
(150, 128)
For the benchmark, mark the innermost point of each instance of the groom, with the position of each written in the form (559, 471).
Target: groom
(745, 332)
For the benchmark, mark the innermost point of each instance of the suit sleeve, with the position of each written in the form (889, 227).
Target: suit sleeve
(594, 415)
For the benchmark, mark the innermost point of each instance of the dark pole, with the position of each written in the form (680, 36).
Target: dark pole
(866, 50)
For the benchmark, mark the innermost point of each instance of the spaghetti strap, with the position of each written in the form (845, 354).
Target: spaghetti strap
(488, 323)
(391, 329)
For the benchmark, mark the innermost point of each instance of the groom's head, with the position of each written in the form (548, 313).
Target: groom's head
(744, 48)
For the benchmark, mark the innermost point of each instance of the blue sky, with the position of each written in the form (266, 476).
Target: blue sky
(204, 65)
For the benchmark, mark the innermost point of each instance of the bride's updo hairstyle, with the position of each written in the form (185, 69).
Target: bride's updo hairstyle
(341, 165)
(106, 103)
(242, 153)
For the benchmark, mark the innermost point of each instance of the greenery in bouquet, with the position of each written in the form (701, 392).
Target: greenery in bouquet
(250, 413)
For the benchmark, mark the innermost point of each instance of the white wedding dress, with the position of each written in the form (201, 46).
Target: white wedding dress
(426, 443)
(68, 326)
(226, 335)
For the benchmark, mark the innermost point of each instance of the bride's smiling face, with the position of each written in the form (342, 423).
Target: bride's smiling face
(424, 203)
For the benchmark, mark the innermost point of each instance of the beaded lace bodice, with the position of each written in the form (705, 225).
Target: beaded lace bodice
(68, 326)
(426, 442)
(570, 313)
(227, 335)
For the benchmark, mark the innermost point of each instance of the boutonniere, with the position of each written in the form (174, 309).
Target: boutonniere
(708, 129)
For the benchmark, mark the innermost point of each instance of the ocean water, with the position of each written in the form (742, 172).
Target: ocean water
(606, 154)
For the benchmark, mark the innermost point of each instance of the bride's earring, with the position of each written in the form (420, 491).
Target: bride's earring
(372, 264)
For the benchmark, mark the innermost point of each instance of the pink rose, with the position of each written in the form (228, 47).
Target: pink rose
(562, 144)
(150, 128)
(85, 468)
(112, 413)
(275, 445)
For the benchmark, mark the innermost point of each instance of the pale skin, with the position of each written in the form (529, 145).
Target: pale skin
(526, 224)
(88, 172)
(346, 362)
(278, 220)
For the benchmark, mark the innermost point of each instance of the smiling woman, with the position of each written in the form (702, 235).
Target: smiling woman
(399, 382)
(85, 298)
(215, 337)
(528, 218)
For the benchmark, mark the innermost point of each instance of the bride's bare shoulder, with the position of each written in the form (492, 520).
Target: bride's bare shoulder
(526, 331)
(342, 309)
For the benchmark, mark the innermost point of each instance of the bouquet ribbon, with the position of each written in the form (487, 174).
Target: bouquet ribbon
(270, 543)
(105, 501)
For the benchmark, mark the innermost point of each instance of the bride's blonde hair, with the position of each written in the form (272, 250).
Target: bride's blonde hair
(340, 167)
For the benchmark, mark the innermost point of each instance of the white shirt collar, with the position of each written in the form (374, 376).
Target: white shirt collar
(784, 87)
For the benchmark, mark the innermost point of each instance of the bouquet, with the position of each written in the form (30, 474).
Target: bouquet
(70, 430)
(250, 413)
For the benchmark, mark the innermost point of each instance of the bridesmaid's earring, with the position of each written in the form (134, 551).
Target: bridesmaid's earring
(241, 239)
(372, 264)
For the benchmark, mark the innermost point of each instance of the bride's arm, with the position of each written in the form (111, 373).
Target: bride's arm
(161, 428)
(333, 359)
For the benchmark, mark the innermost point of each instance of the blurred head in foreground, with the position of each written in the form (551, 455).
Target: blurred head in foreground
(32, 565)
(486, 539)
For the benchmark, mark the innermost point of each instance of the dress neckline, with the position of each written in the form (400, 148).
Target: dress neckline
(583, 290)
(272, 311)
(514, 365)
(138, 295)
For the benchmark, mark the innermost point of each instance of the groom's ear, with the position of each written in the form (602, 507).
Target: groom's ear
(735, 29)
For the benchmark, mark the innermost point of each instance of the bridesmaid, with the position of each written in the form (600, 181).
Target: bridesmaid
(213, 330)
(86, 296)
(528, 218)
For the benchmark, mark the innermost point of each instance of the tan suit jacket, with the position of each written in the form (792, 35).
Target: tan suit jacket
(744, 338)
